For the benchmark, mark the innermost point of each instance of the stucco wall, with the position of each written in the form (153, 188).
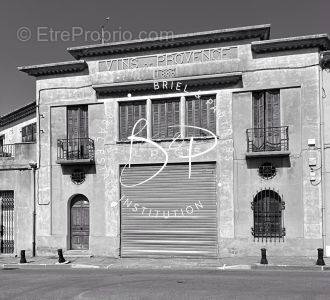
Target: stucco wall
(16, 175)
(13, 132)
(296, 74)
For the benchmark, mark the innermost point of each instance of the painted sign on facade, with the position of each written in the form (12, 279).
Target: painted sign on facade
(168, 59)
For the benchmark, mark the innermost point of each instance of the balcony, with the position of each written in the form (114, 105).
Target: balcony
(75, 151)
(7, 150)
(270, 141)
(17, 156)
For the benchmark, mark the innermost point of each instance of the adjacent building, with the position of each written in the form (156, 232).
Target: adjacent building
(209, 144)
(18, 155)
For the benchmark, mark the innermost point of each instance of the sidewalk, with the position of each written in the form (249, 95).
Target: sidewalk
(230, 263)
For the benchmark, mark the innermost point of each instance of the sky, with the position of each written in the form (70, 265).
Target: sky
(39, 31)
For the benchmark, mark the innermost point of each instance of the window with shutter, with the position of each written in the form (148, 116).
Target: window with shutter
(129, 114)
(266, 120)
(200, 112)
(165, 118)
(34, 132)
(77, 131)
(29, 133)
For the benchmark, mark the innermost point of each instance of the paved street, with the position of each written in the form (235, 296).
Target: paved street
(128, 284)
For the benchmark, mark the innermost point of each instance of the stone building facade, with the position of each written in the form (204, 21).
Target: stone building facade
(210, 144)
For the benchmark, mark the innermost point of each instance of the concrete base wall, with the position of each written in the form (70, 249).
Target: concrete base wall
(287, 247)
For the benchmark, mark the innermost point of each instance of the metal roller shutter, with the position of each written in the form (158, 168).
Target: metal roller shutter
(185, 224)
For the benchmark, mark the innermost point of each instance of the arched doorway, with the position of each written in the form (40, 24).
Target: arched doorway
(79, 223)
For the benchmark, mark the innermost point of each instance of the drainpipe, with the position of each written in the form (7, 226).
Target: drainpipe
(322, 159)
(33, 166)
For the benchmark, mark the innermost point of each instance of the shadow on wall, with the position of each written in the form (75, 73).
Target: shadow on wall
(87, 169)
(277, 162)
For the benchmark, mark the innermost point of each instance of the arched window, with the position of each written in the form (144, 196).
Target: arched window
(268, 221)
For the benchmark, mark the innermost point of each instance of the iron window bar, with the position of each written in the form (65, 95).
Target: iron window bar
(268, 217)
(75, 149)
(268, 139)
(7, 222)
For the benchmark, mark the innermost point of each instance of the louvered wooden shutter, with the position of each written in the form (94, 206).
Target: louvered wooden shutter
(129, 114)
(165, 115)
(258, 110)
(266, 119)
(273, 115)
(24, 134)
(72, 122)
(273, 120)
(190, 116)
(77, 130)
(258, 120)
(34, 132)
(29, 133)
(83, 126)
(77, 122)
(208, 113)
(200, 113)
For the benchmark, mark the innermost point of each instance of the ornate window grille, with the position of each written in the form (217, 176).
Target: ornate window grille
(78, 176)
(267, 170)
(6, 221)
(268, 220)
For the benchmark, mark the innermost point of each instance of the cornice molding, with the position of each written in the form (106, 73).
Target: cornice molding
(18, 114)
(147, 86)
(260, 32)
(54, 68)
(320, 41)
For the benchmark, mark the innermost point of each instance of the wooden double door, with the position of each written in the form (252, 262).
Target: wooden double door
(79, 223)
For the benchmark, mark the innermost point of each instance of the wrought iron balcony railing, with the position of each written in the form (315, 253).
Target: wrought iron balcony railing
(7, 150)
(75, 149)
(268, 139)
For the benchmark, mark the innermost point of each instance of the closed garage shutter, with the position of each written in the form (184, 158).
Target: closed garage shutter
(170, 215)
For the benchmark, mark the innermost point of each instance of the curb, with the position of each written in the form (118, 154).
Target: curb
(123, 267)
(235, 267)
(289, 267)
(35, 266)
